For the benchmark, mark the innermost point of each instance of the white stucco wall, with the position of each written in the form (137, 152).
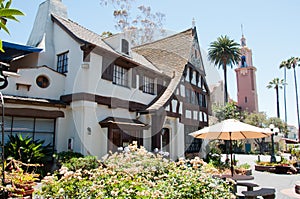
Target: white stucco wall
(74, 77)
(29, 76)
(176, 137)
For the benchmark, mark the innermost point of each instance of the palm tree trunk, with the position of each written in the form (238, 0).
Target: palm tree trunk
(284, 97)
(297, 104)
(225, 84)
(277, 101)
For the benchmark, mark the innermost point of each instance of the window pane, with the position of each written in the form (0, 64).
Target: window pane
(44, 125)
(120, 76)
(47, 137)
(21, 124)
(148, 85)
(62, 63)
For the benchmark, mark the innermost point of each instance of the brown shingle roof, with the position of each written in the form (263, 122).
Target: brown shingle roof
(170, 55)
(81, 33)
(178, 46)
(84, 35)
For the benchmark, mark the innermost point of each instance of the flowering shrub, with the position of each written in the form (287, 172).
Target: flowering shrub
(136, 173)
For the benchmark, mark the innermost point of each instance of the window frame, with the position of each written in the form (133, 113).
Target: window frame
(125, 46)
(62, 62)
(120, 76)
(148, 85)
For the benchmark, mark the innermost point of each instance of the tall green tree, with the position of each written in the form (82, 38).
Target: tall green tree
(285, 67)
(229, 111)
(292, 63)
(277, 84)
(224, 52)
(259, 120)
(7, 13)
(281, 125)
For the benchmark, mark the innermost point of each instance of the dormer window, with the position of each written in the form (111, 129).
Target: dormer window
(125, 46)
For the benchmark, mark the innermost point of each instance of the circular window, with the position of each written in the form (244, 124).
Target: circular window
(42, 81)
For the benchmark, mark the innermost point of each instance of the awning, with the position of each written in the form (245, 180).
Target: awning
(123, 123)
(12, 50)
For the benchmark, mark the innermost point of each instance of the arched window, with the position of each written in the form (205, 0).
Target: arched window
(243, 61)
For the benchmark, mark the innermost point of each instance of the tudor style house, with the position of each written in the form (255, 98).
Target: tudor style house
(79, 91)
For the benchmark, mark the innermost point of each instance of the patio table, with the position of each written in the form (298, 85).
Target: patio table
(235, 177)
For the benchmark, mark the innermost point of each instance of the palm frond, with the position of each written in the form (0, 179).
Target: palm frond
(7, 12)
(3, 26)
(1, 46)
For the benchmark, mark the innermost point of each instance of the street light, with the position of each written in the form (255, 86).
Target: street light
(2, 140)
(274, 132)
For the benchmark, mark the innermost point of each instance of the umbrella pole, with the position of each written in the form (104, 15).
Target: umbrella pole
(230, 148)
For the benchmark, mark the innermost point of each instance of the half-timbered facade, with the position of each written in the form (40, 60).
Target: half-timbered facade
(93, 95)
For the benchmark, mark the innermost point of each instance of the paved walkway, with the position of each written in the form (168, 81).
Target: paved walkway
(284, 184)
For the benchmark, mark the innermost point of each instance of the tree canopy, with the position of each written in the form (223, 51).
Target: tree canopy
(142, 27)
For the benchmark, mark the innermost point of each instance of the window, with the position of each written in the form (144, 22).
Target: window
(125, 47)
(36, 128)
(187, 95)
(122, 138)
(148, 85)
(192, 145)
(165, 139)
(42, 81)
(120, 76)
(62, 62)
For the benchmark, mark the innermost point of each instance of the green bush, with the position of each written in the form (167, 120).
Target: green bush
(65, 156)
(136, 173)
(244, 166)
(27, 150)
(85, 163)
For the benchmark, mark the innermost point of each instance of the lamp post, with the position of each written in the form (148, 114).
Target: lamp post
(2, 140)
(274, 131)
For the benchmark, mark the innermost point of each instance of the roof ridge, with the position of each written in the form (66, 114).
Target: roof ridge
(164, 38)
(76, 23)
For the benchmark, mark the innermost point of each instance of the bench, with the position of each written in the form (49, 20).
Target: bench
(266, 193)
(249, 185)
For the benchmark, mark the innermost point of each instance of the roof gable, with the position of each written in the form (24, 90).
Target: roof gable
(184, 44)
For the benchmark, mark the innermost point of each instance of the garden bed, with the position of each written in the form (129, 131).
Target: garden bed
(265, 168)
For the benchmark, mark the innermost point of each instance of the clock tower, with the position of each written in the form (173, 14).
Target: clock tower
(246, 80)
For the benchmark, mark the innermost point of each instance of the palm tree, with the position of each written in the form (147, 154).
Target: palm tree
(285, 66)
(292, 63)
(276, 84)
(224, 52)
(7, 13)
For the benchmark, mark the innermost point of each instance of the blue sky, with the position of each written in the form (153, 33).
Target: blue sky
(271, 28)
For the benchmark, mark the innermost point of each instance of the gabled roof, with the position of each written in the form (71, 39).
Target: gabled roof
(80, 33)
(171, 55)
(179, 45)
(83, 35)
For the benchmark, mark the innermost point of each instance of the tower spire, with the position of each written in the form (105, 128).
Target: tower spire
(193, 23)
(243, 39)
(242, 30)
